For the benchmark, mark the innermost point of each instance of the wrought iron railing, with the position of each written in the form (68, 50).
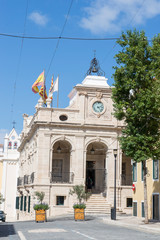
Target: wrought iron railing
(126, 180)
(62, 177)
(20, 181)
(27, 179)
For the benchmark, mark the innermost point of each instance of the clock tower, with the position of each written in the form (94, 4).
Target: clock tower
(93, 97)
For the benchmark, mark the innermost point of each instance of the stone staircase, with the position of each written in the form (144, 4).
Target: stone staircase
(97, 204)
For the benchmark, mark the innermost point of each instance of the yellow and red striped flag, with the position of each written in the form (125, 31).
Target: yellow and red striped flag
(50, 90)
(38, 82)
(43, 94)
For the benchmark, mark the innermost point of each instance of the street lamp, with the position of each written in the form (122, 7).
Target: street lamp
(115, 156)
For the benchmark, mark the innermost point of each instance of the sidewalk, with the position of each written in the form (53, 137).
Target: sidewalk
(133, 223)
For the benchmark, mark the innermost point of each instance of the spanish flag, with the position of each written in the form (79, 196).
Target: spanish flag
(38, 82)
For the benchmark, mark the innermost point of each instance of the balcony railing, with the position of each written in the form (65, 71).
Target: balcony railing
(62, 177)
(126, 180)
(20, 181)
(27, 179)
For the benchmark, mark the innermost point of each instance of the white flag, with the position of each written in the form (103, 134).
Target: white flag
(54, 88)
(55, 85)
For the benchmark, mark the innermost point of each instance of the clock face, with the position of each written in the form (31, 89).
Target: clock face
(98, 107)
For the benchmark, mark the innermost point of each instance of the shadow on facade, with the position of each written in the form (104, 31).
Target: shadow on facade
(6, 230)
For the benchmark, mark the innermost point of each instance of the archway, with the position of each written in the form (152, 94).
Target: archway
(61, 162)
(96, 167)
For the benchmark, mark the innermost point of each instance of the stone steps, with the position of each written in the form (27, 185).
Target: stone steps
(97, 204)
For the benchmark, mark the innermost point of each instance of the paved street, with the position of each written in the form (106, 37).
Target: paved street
(66, 228)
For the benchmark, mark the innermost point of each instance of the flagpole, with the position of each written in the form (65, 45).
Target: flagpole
(52, 98)
(58, 92)
(44, 85)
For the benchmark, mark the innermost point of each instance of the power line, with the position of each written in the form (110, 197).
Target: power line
(55, 50)
(18, 66)
(60, 37)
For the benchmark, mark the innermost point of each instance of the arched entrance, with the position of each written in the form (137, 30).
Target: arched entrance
(95, 167)
(61, 163)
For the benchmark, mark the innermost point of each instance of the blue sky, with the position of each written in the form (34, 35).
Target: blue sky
(21, 64)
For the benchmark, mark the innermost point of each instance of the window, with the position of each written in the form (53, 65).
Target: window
(29, 203)
(142, 206)
(123, 168)
(15, 145)
(25, 200)
(129, 202)
(155, 169)
(63, 117)
(134, 172)
(57, 169)
(142, 175)
(17, 202)
(135, 209)
(9, 145)
(21, 207)
(60, 200)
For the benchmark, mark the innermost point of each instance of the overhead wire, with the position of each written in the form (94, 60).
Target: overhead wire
(18, 65)
(119, 37)
(60, 36)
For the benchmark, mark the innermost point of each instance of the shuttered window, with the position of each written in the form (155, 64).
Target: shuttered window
(142, 205)
(21, 207)
(25, 200)
(155, 169)
(29, 202)
(134, 208)
(17, 202)
(135, 172)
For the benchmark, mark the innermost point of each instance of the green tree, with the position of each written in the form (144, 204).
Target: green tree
(136, 98)
(1, 198)
(80, 193)
(40, 196)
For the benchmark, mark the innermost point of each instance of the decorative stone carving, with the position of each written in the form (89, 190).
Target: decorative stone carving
(82, 93)
(98, 139)
(63, 137)
(99, 95)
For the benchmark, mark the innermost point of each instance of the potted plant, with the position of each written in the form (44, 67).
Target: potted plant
(41, 207)
(79, 208)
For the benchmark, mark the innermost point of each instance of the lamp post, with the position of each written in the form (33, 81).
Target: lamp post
(115, 157)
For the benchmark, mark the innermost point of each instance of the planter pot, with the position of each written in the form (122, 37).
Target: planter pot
(40, 215)
(79, 214)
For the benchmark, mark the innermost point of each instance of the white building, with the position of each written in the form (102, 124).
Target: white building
(9, 169)
(63, 147)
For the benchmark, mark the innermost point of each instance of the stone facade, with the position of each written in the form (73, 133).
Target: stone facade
(9, 173)
(64, 147)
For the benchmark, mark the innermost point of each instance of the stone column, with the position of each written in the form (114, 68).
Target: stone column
(48, 101)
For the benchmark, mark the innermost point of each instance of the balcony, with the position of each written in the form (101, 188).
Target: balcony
(62, 177)
(126, 180)
(20, 181)
(26, 180)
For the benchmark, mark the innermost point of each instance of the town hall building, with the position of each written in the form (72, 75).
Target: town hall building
(61, 148)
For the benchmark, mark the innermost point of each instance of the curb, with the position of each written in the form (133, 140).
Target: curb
(146, 228)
